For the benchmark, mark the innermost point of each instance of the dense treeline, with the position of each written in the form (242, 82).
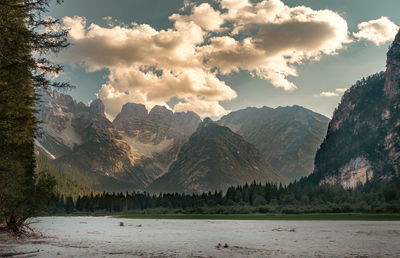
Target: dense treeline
(382, 197)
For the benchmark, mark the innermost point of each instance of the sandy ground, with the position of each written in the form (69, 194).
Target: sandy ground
(104, 237)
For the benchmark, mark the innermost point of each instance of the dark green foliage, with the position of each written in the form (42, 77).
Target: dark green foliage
(22, 192)
(93, 180)
(301, 197)
(66, 184)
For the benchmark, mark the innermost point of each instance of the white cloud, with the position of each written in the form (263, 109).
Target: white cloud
(280, 37)
(328, 94)
(341, 90)
(335, 93)
(208, 18)
(149, 66)
(377, 31)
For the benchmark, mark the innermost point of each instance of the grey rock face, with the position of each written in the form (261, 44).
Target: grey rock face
(137, 147)
(157, 135)
(392, 83)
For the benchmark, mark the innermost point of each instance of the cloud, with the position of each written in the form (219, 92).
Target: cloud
(341, 90)
(328, 94)
(206, 17)
(279, 38)
(268, 39)
(335, 93)
(377, 31)
(148, 66)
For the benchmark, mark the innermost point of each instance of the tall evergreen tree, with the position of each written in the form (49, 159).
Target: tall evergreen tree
(25, 38)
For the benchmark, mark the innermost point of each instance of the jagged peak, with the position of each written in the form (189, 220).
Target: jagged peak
(207, 121)
(64, 99)
(160, 110)
(133, 108)
(205, 124)
(97, 107)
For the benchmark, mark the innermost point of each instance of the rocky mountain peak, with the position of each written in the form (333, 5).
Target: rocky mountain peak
(97, 107)
(206, 122)
(392, 83)
(63, 99)
(137, 110)
(160, 112)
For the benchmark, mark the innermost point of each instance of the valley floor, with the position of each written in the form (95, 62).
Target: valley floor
(104, 237)
(255, 216)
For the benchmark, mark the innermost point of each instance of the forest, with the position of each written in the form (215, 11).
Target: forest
(296, 198)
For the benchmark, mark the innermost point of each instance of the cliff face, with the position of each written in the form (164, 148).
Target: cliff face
(83, 138)
(288, 137)
(135, 149)
(157, 136)
(363, 139)
(392, 87)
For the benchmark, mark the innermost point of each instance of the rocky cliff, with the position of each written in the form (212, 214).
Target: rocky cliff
(131, 152)
(363, 139)
(82, 138)
(215, 158)
(155, 136)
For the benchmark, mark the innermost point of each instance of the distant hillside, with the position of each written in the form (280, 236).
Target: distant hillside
(288, 137)
(66, 184)
(363, 139)
(215, 158)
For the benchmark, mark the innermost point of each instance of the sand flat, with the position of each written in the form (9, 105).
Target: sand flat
(104, 237)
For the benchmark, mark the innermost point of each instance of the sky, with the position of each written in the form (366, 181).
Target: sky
(217, 56)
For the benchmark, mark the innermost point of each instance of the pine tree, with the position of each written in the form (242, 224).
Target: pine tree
(25, 38)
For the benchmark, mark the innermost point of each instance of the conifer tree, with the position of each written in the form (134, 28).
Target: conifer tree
(25, 39)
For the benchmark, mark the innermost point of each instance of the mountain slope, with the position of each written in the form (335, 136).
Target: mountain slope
(215, 158)
(128, 154)
(288, 137)
(157, 136)
(66, 184)
(363, 139)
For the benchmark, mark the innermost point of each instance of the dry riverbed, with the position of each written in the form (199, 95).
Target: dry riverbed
(105, 237)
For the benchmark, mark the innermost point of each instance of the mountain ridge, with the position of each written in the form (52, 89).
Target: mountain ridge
(287, 136)
(215, 158)
(81, 137)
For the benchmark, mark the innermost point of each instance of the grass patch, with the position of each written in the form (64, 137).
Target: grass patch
(340, 216)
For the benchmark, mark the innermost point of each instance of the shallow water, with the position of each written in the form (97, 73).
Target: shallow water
(104, 237)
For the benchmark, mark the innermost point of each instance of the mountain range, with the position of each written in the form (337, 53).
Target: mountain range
(288, 137)
(137, 148)
(125, 155)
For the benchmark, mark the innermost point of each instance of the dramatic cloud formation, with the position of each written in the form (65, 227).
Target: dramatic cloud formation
(335, 93)
(149, 66)
(377, 31)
